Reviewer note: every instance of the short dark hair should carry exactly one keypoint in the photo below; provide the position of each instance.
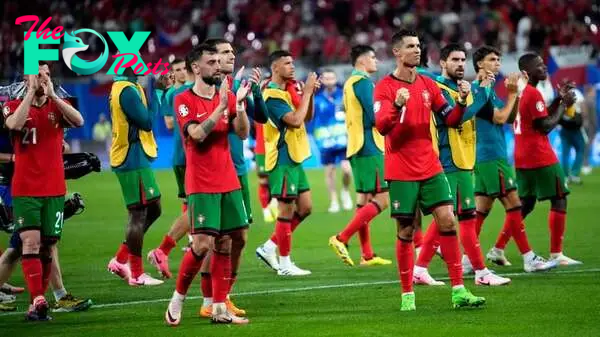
(327, 70)
(482, 52)
(526, 59)
(196, 53)
(449, 48)
(358, 51)
(177, 60)
(402, 34)
(276, 55)
(214, 42)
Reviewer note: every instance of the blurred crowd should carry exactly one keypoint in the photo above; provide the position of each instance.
(316, 31)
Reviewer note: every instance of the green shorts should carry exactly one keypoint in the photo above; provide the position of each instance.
(288, 181)
(246, 196)
(260, 165)
(461, 186)
(368, 174)
(495, 178)
(139, 187)
(406, 196)
(543, 183)
(43, 213)
(217, 213)
(180, 179)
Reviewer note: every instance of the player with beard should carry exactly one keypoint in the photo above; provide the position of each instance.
(539, 175)
(256, 111)
(37, 121)
(215, 202)
(404, 104)
(287, 147)
(456, 147)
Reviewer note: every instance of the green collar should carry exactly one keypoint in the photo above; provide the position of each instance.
(447, 82)
(359, 73)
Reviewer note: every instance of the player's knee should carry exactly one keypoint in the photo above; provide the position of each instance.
(201, 245)
(527, 205)
(559, 204)
(405, 228)
(30, 242)
(446, 222)
(154, 211)
(239, 239)
(10, 256)
(382, 201)
(304, 209)
(223, 244)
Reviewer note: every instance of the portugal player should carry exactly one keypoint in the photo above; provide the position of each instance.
(38, 120)
(539, 175)
(215, 202)
(404, 103)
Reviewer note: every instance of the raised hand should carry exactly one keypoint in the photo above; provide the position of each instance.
(256, 76)
(464, 88)
(512, 82)
(243, 91)
(48, 86)
(402, 96)
(311, 82)
(224, 95)
(33, 83)
(488, 78)
(318, 84)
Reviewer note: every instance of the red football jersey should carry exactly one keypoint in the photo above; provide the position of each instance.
(209, 167)
(39, 168)
(409, 154)
(532, 148)
(260, 139)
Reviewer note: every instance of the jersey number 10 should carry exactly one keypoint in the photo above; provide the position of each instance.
(30, 136)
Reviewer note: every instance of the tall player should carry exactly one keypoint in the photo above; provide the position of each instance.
(456, 147)
(404, 102)
(216, 208)
(365, 151)
(287, 147)
(539, 175)
(38, 120)
(256, 110)
(494, 177)
(133, 149)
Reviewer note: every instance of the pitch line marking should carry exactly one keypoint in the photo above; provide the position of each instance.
(321, 287)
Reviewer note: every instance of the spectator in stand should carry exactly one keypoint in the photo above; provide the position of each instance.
(102, 132)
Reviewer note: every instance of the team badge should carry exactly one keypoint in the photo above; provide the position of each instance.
(52, 117)
(396, 204)
(539, 106)
(151, 190)
(201, 219)
(293, 187)
(376, 106)
(21, 221)
(510, 181)
(183, 110)
(6, 111)
(468, 201)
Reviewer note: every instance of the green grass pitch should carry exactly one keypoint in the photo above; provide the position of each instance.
(336, 300)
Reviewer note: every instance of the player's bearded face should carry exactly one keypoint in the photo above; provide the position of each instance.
(209, 69)
(455, 65)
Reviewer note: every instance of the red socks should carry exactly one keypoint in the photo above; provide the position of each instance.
(517, 229)
(167, 245)
(184, 207)
(430, 243)
(32, 270)
(363, 216)
(137, 265)
(264, 195)
(294, 223)
(504, 235)
(418, 238)
(364, 236)
(479, 219)
(406, 263)
(220, 270)
(470, 243)
(206, 285)
(556, 222)
(283, 233)
(122, 254)
(190, 266)
(452, 257)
